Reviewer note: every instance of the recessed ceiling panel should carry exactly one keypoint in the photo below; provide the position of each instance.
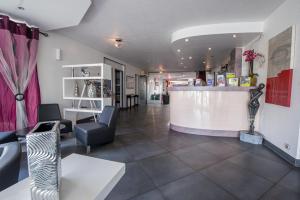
(47, 14)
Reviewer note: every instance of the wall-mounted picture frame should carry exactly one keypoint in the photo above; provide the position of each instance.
(280, 68)
(130, 82)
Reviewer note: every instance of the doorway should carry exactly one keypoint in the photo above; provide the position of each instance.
(119, 88)
(142, 90)
(118, 82)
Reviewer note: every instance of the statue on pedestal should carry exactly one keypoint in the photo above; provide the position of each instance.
(252, 136)
(253, 105)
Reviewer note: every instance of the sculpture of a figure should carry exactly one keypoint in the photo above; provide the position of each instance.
(253, 105)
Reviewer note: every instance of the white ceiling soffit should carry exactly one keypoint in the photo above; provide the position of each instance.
(208, 46)
(47, 14)
(215, 29)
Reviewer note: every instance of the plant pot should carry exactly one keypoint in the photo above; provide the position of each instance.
(253, 80)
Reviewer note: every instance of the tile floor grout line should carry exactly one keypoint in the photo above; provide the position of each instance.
(274, 185)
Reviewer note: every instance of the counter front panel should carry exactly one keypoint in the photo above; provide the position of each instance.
(209, 111)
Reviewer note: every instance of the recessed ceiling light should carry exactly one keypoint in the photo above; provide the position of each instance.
(203, 62)
(21, 8)
(186, 39)
(190, 57)
(209, 49)
(178, 50)
(118, 42)
(182, 58)
(185, 67)
(234, 36)
(181, 63)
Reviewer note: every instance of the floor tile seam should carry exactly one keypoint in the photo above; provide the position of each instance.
(278, 182)
(231, 145)
(274, 185)
(252, 171)
(267, 158)
(136, 160)
(156, 188)
(188, 174)
(220, 186)
(230, 156)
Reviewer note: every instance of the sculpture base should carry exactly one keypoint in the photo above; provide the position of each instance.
(256, 138)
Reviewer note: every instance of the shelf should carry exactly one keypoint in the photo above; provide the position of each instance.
(84, 78)
(83, 65)
(84, 98)
(84, 110)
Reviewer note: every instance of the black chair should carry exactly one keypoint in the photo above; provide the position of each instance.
(100, 132)
(6, 137)
(10, 157)
(51, 112)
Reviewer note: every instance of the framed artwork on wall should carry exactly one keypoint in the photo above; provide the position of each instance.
(130, 82)
(280, 68)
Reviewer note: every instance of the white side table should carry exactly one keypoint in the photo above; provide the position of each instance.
(83, 177)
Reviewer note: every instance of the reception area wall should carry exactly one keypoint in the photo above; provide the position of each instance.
(280, 125)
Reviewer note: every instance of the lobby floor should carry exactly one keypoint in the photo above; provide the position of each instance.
(163, 164)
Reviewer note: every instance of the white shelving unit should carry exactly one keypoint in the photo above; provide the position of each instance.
(99, 72)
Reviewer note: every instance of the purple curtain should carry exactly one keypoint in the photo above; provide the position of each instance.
(19, 87)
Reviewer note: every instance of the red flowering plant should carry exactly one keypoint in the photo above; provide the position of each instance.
(251, 55)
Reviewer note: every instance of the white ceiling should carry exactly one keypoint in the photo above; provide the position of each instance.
(47, 14)
(147, 26)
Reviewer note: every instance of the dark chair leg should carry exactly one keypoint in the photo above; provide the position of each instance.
(88, 149)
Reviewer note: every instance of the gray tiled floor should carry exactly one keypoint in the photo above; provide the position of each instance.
(163, 164)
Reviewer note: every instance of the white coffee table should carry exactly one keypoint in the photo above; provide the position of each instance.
(83, 177)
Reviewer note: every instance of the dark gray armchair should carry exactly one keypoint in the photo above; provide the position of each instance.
(10, 157)
(51, 112)
(100, 132)
(6, 137)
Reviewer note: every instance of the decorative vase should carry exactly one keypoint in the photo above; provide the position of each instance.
(91, 90)
(44, 160)
(251, 68)
(252, 75)
(76, 90)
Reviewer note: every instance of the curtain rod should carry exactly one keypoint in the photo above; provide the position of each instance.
(44, 34)
(21, 21)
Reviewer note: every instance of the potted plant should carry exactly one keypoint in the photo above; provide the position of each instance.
(251, 55)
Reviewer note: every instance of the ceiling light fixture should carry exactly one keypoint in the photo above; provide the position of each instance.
(186, 39)
(234, 36)
(118, 42)
(185, 67)
(209, 49)
(182, 58)
(203, 62)
(190, 57)
(20, 5)
(181, 63)
(178, 50)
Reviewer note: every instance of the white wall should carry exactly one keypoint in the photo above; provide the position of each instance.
(279, 124)
(50, 70)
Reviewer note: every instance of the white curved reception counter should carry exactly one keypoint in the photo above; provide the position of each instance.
(213, 111)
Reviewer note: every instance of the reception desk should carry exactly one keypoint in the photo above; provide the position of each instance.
(213, 111)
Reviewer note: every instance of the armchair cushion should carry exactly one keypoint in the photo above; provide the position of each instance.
(6, 137)
(51, 112)
(89, 133)
(67, 126)
(9, 164)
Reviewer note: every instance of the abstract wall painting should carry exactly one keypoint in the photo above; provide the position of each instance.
(280, 68)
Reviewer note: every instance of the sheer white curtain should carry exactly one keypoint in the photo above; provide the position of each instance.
(18, 55)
